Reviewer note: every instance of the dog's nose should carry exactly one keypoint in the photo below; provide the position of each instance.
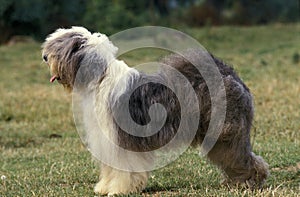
(45, 58)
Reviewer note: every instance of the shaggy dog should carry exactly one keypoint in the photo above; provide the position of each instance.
(67, 51)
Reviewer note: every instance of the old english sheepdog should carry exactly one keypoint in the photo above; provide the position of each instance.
(111, 81)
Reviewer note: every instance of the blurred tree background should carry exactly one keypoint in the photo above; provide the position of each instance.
(37, 18)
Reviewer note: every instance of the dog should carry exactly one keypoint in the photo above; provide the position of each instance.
(110, 81)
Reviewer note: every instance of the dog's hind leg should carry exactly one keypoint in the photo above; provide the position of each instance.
(238, 163)
(233, 152)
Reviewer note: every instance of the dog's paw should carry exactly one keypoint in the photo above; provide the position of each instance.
(101, 188)
(123, 189)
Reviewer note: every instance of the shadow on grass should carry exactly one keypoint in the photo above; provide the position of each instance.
(21, 143)
(157, 188)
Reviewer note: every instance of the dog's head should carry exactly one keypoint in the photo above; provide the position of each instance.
(67, 50)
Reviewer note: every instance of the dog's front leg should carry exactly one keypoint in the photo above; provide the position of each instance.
(102, 186)
(114, 181)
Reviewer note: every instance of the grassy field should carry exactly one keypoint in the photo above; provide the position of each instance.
(42, 155)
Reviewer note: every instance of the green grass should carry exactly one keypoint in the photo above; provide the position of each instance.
(36, 163)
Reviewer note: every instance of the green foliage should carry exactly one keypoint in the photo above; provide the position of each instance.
(4, 4)
(110, 16)
(258, 12)
(245, 12)
(39, 17)
(27, 11)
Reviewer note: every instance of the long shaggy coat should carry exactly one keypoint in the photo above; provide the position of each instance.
(81, 60)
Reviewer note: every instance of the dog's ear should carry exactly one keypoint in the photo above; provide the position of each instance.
(72, 55)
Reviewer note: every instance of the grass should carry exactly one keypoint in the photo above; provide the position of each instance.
(42, 155)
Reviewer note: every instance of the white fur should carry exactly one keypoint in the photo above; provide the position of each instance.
(101, 130)
(58, 33)
(113, 181)
(117, 74)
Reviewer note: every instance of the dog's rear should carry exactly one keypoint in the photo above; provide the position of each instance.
(232, 152)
